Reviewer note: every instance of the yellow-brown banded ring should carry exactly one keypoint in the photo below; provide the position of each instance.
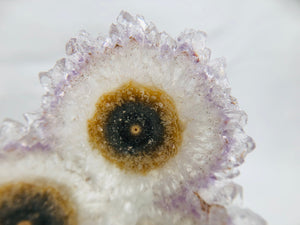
(136, 127)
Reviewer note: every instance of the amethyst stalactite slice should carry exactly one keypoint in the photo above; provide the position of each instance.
(147, 122)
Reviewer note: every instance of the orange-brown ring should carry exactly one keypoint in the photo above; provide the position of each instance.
(161, 102)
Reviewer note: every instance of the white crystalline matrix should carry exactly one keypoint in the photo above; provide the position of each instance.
(139, 127)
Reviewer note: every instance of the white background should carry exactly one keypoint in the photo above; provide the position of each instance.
(260, 40)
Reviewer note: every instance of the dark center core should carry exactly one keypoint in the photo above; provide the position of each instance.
(134, 127)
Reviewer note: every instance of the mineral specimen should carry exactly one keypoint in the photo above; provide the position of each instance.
(140, 127)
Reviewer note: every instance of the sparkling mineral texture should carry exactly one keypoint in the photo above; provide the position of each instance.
(136, 128)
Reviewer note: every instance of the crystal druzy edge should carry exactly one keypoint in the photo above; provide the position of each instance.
(215, 194)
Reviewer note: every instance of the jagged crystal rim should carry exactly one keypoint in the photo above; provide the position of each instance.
(79, 51)
(31, 136)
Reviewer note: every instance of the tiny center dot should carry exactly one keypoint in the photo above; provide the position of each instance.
(24, 222)
(135, 130)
